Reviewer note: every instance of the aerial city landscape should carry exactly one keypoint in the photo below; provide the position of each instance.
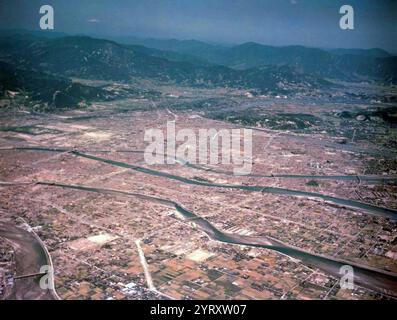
(82, 209)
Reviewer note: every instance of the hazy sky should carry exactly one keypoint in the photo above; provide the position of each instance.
(276, 22)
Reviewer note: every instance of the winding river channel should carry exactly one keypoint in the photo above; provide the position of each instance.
(372, 209)
(376, 279)
(372, 278)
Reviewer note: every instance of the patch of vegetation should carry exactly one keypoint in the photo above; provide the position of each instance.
(312, 183)
(213, 274)
(279, 121)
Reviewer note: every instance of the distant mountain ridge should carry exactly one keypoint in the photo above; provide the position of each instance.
(40, 67)
(250, 66)
(344, 64)
(86, 57)
(374, 52)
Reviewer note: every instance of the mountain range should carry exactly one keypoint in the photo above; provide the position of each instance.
(86, 57)
(344, 64)
(251, 66)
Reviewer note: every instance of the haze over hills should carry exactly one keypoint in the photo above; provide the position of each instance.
(251, 66)
(347, 64)
(374, 52)
(86, 57)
